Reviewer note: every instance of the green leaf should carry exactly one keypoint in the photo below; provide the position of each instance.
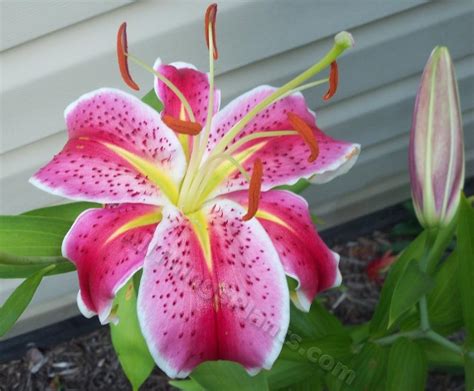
(407, 367)
(67, 212)
(369, 366)
(317, 323)
(312, 383)
(412, 284)
(407, 228)
(465, 253)
(32, 235)
(297, 188)
(19, 300)
(440, 357)
(14, 266)
(359, 332)
(285, 373)
(469, 366)
(127, 339)
(186, 385)
(379, 322)
(152, 100)
(28, 243)
(444, 306)
(337, 346)
(227, 375)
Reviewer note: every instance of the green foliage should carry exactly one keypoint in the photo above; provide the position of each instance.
(32, 235)
(23, 267)
(317, 323)
(33, 240)
(407, 366)
(410, 287)
(297, 188)
(222, 375)
(469, 366)
(152, 100)
(19, 299)
(369, 365)
(440, 357)
(465, 278)
(285, 373)
(465, 254)
(444, 305)
(127, 339)
(69, 211)
(380, 321)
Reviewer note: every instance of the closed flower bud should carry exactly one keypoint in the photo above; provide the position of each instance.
(436, 143)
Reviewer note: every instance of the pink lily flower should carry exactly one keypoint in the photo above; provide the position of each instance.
(215, 242)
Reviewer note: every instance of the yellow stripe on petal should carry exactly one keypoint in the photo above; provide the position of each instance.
(199, 223)
(147, 219)
(152, 172)
(274, 219)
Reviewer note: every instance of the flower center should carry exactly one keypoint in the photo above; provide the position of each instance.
(200, 177)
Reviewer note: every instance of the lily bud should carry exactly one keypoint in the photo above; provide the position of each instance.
(436, 143)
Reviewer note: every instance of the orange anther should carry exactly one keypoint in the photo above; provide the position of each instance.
(333, 81)
(306, 134)
(254, 189)
(122, 56)
(183, 127)
(210, 20)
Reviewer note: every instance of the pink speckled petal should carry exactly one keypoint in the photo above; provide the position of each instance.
(226, 299)
(305, 257)
(89, 170)
(193, 84)
(107, 246)
(116, 144)
(285, 159)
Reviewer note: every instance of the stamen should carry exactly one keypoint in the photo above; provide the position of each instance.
(254, 190)
(333, 81)
(210, 24)
(122, 57)
(307, 134)
(182, 127)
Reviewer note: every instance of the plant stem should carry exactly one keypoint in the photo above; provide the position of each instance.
(424, 261)
(392, 338)
(434, 336)
(424, 319)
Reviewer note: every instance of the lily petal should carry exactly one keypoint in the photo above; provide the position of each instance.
(194, 85)
(108, 246)
(119, 150)
(285, 157)
(212, 285)
(305, 257)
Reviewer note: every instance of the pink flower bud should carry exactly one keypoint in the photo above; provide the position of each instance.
(436, 143)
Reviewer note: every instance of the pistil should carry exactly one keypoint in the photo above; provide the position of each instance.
(200, 147)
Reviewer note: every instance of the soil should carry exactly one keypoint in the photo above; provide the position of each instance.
(89, 363)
